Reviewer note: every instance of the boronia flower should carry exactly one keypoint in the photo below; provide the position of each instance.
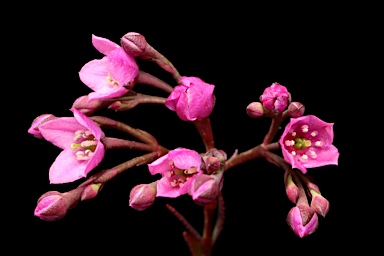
(192, 99)
(178, 168)
(302, 220)
(79, 137)
(307, 142)
(108, 76)
(275, 98)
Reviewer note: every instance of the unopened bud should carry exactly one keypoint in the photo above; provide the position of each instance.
(275, 98)
(302, 220)
(291, 189)
(133, 43)
(34, 129)
(88, 108)
(205, 188)
(295, 109)
(91, 191)
(51, 206)
(142, 196)
(255, 110)
(319, 203)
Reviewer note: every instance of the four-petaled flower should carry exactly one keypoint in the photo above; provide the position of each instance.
(275, 98)
(307, 143)
(192, 99)
(178, 168)
(108, 76)
(79, 137)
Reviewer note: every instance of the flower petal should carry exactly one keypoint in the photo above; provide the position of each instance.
(185, 158)
(122, 66)
(60, 131)
(94, 74)
(103, 45)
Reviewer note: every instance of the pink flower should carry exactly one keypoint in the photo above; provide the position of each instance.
(307, 143)
(178, 168)
(108, 76)
(192, 99)
(34, 129)
(51, 206)
(79, 137)
(302, 220)
(275, 98)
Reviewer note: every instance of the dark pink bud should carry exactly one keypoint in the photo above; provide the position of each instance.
(319, 203)
(142, 196)
(295, 109)
(34, 129)
(91, 191)
(51, 206)
(276, 98)
(291, 189)
(213, 160)
(255, 110)
(88, 108)
(302, 220)
(204, 189)
(133, 43)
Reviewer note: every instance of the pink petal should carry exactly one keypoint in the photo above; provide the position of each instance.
(160, 165)
(60, 132)
(185, 158)
(94, 74)
(103, 45)
(66, 168)
(88, 123)
(122, 66)
(164, 189)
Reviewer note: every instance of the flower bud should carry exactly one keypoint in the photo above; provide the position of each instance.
(88, 108)
(295, 109)
(291, 189)
(276, 98)
(255, 110)
(302, 220)
(142, 196)
(213, 160)
(205, 188)
(319, 203)
(91, 191)
(34, 129)
(51, 206)
(133, 43)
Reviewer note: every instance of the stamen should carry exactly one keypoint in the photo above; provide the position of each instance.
(307, 143)
(304, 128)
(190, 171)
(88, 143)
(170, 174)
(293, 153)
(314, 133)
(319, 143)
(293, 134)
(312, 154)
(289, 143)
(305, 157)
(174, 183)
(75, 145)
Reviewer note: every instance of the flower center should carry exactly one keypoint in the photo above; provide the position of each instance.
(303, 143)
(112, 81)
(178, 177)
(85, 146)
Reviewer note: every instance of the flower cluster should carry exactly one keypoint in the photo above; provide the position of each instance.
(306, 142)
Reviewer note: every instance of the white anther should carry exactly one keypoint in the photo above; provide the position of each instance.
(88, 143)
(174, 183)
(318, 143)
(289, 143)
(312, 154)
(293, 134)
(314, 133)
(305, 157)
(293, 153)
(304, 128)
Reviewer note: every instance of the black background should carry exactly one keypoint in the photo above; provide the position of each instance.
(318, 55)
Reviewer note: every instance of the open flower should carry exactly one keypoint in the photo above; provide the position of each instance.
(79, 137)
(108, 76)
(178, 168)
(275, 98)
(307, 143)
(192, 99)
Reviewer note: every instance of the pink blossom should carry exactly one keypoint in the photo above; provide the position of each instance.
(178, 168)
(142, 196)
(108, 76)
(34, 129)
(275, 98)
(192, 99)
(302, 220)
(307, 143)
(79, 137)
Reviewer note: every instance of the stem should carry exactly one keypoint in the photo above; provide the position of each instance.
(275, 126)
(186, 224)
(203, 126)
(112, 143)
(220, 218)
(146, 78)
(142, 98)
(208, 225)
